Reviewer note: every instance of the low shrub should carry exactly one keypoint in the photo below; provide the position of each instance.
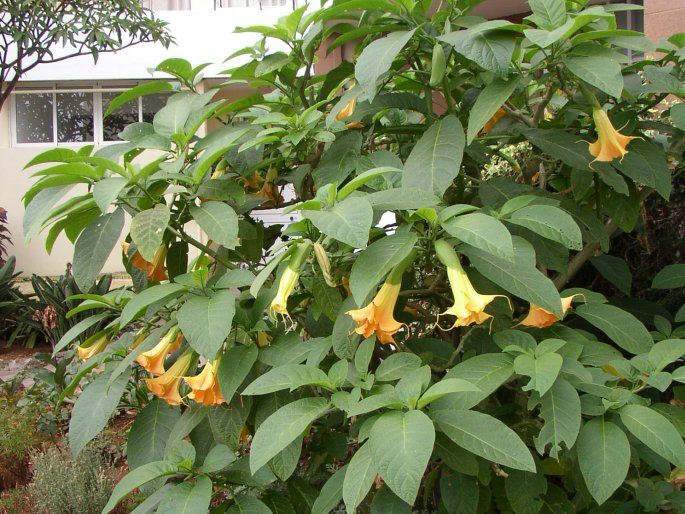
(19, 437)
(62, 485)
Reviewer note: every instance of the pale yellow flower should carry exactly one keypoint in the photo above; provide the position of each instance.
(166, 386)
(541, 318)
(153, 360)
(98, 346)
(377, 316)
(610, 143)
(205, 386)
(156, 270)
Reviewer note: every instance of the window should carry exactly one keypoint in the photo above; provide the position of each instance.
(69, 116)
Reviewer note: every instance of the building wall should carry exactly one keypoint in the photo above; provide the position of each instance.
(664, 18)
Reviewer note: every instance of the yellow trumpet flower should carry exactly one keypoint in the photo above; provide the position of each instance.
(610, 143)
(377, 316)
(205, 386)
(469, 305)
(289, 278)
(347, 110)
(501, 113)
(541, 318)
(153, 360)
(156, 270)
(98, 346)
(166, 386)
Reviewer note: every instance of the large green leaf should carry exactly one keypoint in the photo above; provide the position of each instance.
(147, 230)
(670, 277)
(246, 504)
(603, 456)
(206, 321)
(150, 432)
(519, 277)
(543, 370)
(443, 388)
(602, 72)
(290, 376)
(620, 326)
(401, 198)
(487, 372)
(156, 294)
(236, 363)
(459, 493)
(387, 502)
(171, 118)
(93, 409)
(94, 246)
(561, 411)
(615, 270)
(549, 222)
(434, 162)
(138, 477)
(219, 221)
(489, 101)
(106, 191)
(485, 436)
(524, 491)
(655, 431)
(376, 59)
(188, 498)
(359, 477)
(282, 427)
(548, 14)
(492, 50)
(348, 221)
(401, 445)
(331, 493)
(38, 210)
(372, 264)
(646, 164)
(483, 232)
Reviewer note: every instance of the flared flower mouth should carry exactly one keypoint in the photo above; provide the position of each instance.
(155, 270)
(377, 316)
(205, 386)
(98, 346)
(610, 143)
(469, 305)
(167, 385)
(542, 318)
(153, 360)
(279, 304)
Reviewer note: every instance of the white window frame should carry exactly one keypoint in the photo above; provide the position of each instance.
(96, 91)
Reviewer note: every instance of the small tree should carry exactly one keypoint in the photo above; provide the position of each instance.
(31, 30)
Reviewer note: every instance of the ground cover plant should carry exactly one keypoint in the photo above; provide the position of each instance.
(420, 338)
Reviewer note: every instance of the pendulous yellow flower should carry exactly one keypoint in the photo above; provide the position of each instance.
(610, 143)
(153, 360)
(501, 113)
(347, 110)
(156, 270)
(377, 316)
(469, 305)
(86, 351)
(541, 318)
(205, 386)
(289, 278)
(166, 386)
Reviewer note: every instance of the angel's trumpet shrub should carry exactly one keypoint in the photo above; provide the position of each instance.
(289, 278)
(205, 386)
(377, 316)
(610, 142)
(153, 360)
(167, 385)
(469, 305)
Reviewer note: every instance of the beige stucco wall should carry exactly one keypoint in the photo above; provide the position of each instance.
(664, 18)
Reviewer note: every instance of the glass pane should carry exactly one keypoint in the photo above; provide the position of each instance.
(124, 115)
(152, 104)
(34, 117)
(75, 117)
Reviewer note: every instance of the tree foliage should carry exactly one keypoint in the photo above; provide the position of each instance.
(33, 32)
(447, 360)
